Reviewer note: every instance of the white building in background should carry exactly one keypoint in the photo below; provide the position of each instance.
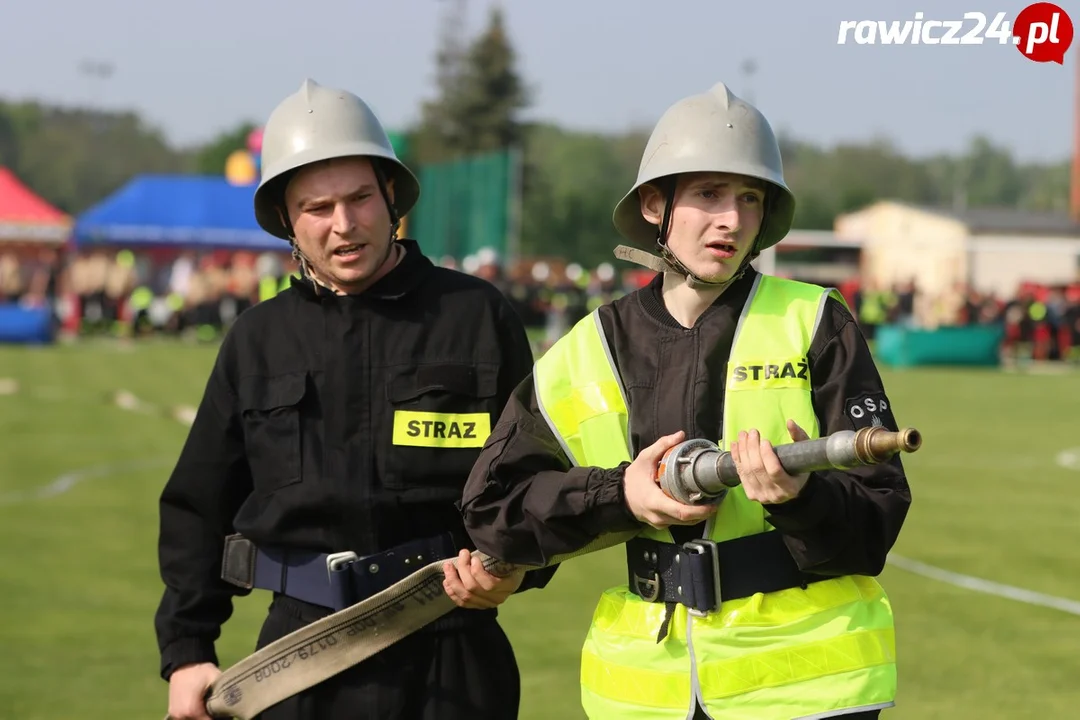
(816, 256)
(989, 250)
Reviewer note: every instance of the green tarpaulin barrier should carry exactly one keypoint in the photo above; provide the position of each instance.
(975, 345)
(465, 205)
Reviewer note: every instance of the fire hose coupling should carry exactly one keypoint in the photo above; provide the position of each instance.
(697, 472)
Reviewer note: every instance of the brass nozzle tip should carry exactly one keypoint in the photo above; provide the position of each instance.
(910, 440)
(876, 444)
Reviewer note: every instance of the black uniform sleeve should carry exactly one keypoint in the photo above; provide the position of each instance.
(524, 503)
(517, 355)
(207, 486)
(509, 512)
(845, 523)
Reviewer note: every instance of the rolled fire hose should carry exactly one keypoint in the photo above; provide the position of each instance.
(693, 472)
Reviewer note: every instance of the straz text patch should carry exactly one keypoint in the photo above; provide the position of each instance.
(441, 430)
(769, 374)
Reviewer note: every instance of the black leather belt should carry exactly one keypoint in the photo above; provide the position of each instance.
(331, 580)
(701, 574)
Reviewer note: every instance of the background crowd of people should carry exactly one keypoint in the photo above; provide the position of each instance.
(135, 293)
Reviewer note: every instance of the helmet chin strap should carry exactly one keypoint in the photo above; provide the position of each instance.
(666, 262)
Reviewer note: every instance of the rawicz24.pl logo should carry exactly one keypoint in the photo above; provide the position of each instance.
(1042, 32)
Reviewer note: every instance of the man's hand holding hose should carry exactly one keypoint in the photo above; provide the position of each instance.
(472, 587)
(647, 501)
(187, 691)
(760, 472)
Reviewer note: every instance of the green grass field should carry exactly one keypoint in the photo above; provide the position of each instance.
(78, 522)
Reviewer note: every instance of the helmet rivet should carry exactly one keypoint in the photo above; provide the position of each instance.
(730, 125)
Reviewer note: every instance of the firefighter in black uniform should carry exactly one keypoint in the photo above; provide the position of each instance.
(793, 557)
(343, 415)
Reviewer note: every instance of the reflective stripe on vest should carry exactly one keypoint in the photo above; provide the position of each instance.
(788, 654)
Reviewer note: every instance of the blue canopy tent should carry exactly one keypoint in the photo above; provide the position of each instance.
(182, 211)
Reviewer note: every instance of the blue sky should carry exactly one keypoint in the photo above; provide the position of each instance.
(197, 67)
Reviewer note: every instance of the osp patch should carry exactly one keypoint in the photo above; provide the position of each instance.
(870, 410)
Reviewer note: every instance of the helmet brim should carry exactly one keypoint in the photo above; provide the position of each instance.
(269, 195)
(641, 233)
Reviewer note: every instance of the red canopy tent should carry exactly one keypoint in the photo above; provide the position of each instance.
(25, 218)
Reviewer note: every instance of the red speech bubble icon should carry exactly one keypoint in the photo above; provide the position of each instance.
(1043, 32)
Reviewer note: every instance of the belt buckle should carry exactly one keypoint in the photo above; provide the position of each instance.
(702, 547)
(648, 588)
(337, 561)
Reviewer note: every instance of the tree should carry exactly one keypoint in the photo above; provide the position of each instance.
(990, 176)
(210, 158)
(1047, 187)
(492, 93)
(9, 140)
(439, 129)
(480, 97)
(75, 158)
(575, 181)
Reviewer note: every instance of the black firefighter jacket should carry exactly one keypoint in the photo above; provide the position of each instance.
(294, 441)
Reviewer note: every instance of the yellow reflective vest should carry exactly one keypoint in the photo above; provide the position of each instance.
(795, 653)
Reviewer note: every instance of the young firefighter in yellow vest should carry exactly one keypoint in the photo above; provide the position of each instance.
(777, 615)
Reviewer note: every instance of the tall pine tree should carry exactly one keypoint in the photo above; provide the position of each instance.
(480, 95)
(437, 133)
(492, 93)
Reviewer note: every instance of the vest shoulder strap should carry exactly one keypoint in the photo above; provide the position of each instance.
(781, 311)
(582, 398)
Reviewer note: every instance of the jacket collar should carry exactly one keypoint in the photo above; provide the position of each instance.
(399, 282)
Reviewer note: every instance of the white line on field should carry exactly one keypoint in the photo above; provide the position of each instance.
(985, 586)
(127, 401)
(1069, 459)
(183, 414)
(65, 482)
